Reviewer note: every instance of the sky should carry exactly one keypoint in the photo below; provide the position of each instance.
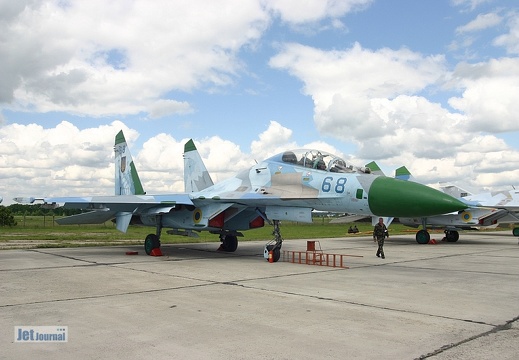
(429, 84)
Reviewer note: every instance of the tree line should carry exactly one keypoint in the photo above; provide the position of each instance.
(40, 210)
(7, 213)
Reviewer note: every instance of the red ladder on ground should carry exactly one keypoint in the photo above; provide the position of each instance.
(315, 257)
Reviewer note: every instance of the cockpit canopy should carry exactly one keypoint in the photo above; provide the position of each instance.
(320, 160)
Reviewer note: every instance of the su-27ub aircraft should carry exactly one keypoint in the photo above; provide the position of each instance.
(286, 186)
(485, 209)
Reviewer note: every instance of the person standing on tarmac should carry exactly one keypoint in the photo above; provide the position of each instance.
(379, 233)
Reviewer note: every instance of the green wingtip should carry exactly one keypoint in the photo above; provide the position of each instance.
(189, 146)
(119, 138)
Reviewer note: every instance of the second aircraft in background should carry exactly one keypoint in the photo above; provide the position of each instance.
(485, 209)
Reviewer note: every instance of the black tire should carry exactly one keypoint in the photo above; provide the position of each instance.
(515, 231)
(423, 237)
(151, 242)
(230, 243)
(276, 255)
(452, 235)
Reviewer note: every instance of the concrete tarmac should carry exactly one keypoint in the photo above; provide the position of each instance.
(444, 301)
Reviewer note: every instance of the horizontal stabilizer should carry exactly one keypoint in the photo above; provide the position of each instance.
(493, 217)
(387, 220)
(347, 219)
(92, 217)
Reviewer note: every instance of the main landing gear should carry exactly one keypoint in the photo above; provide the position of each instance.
(152, 241)
(274, 245)
(229, 243)
(451, 235)
(423, 236)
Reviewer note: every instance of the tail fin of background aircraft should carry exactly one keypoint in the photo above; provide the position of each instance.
(127, 180)
(375, 169)
(454, 190)
(196, 176)
(403, 173)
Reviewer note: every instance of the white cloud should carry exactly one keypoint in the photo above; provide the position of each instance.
(489, 95)
(481, 22)
(293, 11)
(345, 84)
(162, 108)
(511, 40)
(275, 139)
(58, 161)
(101, 58)
(471, 4)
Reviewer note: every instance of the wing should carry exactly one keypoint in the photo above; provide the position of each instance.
(119, 207)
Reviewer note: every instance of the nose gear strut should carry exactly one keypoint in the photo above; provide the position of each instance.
(275, 244)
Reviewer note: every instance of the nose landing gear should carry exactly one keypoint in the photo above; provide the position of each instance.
(274, 245)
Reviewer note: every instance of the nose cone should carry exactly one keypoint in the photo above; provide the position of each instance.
(398, 198)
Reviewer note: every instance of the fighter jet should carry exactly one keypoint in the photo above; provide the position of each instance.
(485, 209)
(504, 204)
(286, 186)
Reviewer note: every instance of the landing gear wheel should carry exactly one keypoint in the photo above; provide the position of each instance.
(276, 252)
(229, 243)
(152, 242)
(452, 235)
(515, 231)
(423, 237)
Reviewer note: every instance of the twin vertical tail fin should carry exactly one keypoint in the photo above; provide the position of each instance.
(375, 169)
(196, 176)
(403, 173)
(127, 180)
(454, 190)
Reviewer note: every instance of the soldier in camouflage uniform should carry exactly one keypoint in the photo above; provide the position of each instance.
(379, 233)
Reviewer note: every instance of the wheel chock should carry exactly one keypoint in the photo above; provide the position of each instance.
(271, 256)
(156, 252)
(432, 242)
